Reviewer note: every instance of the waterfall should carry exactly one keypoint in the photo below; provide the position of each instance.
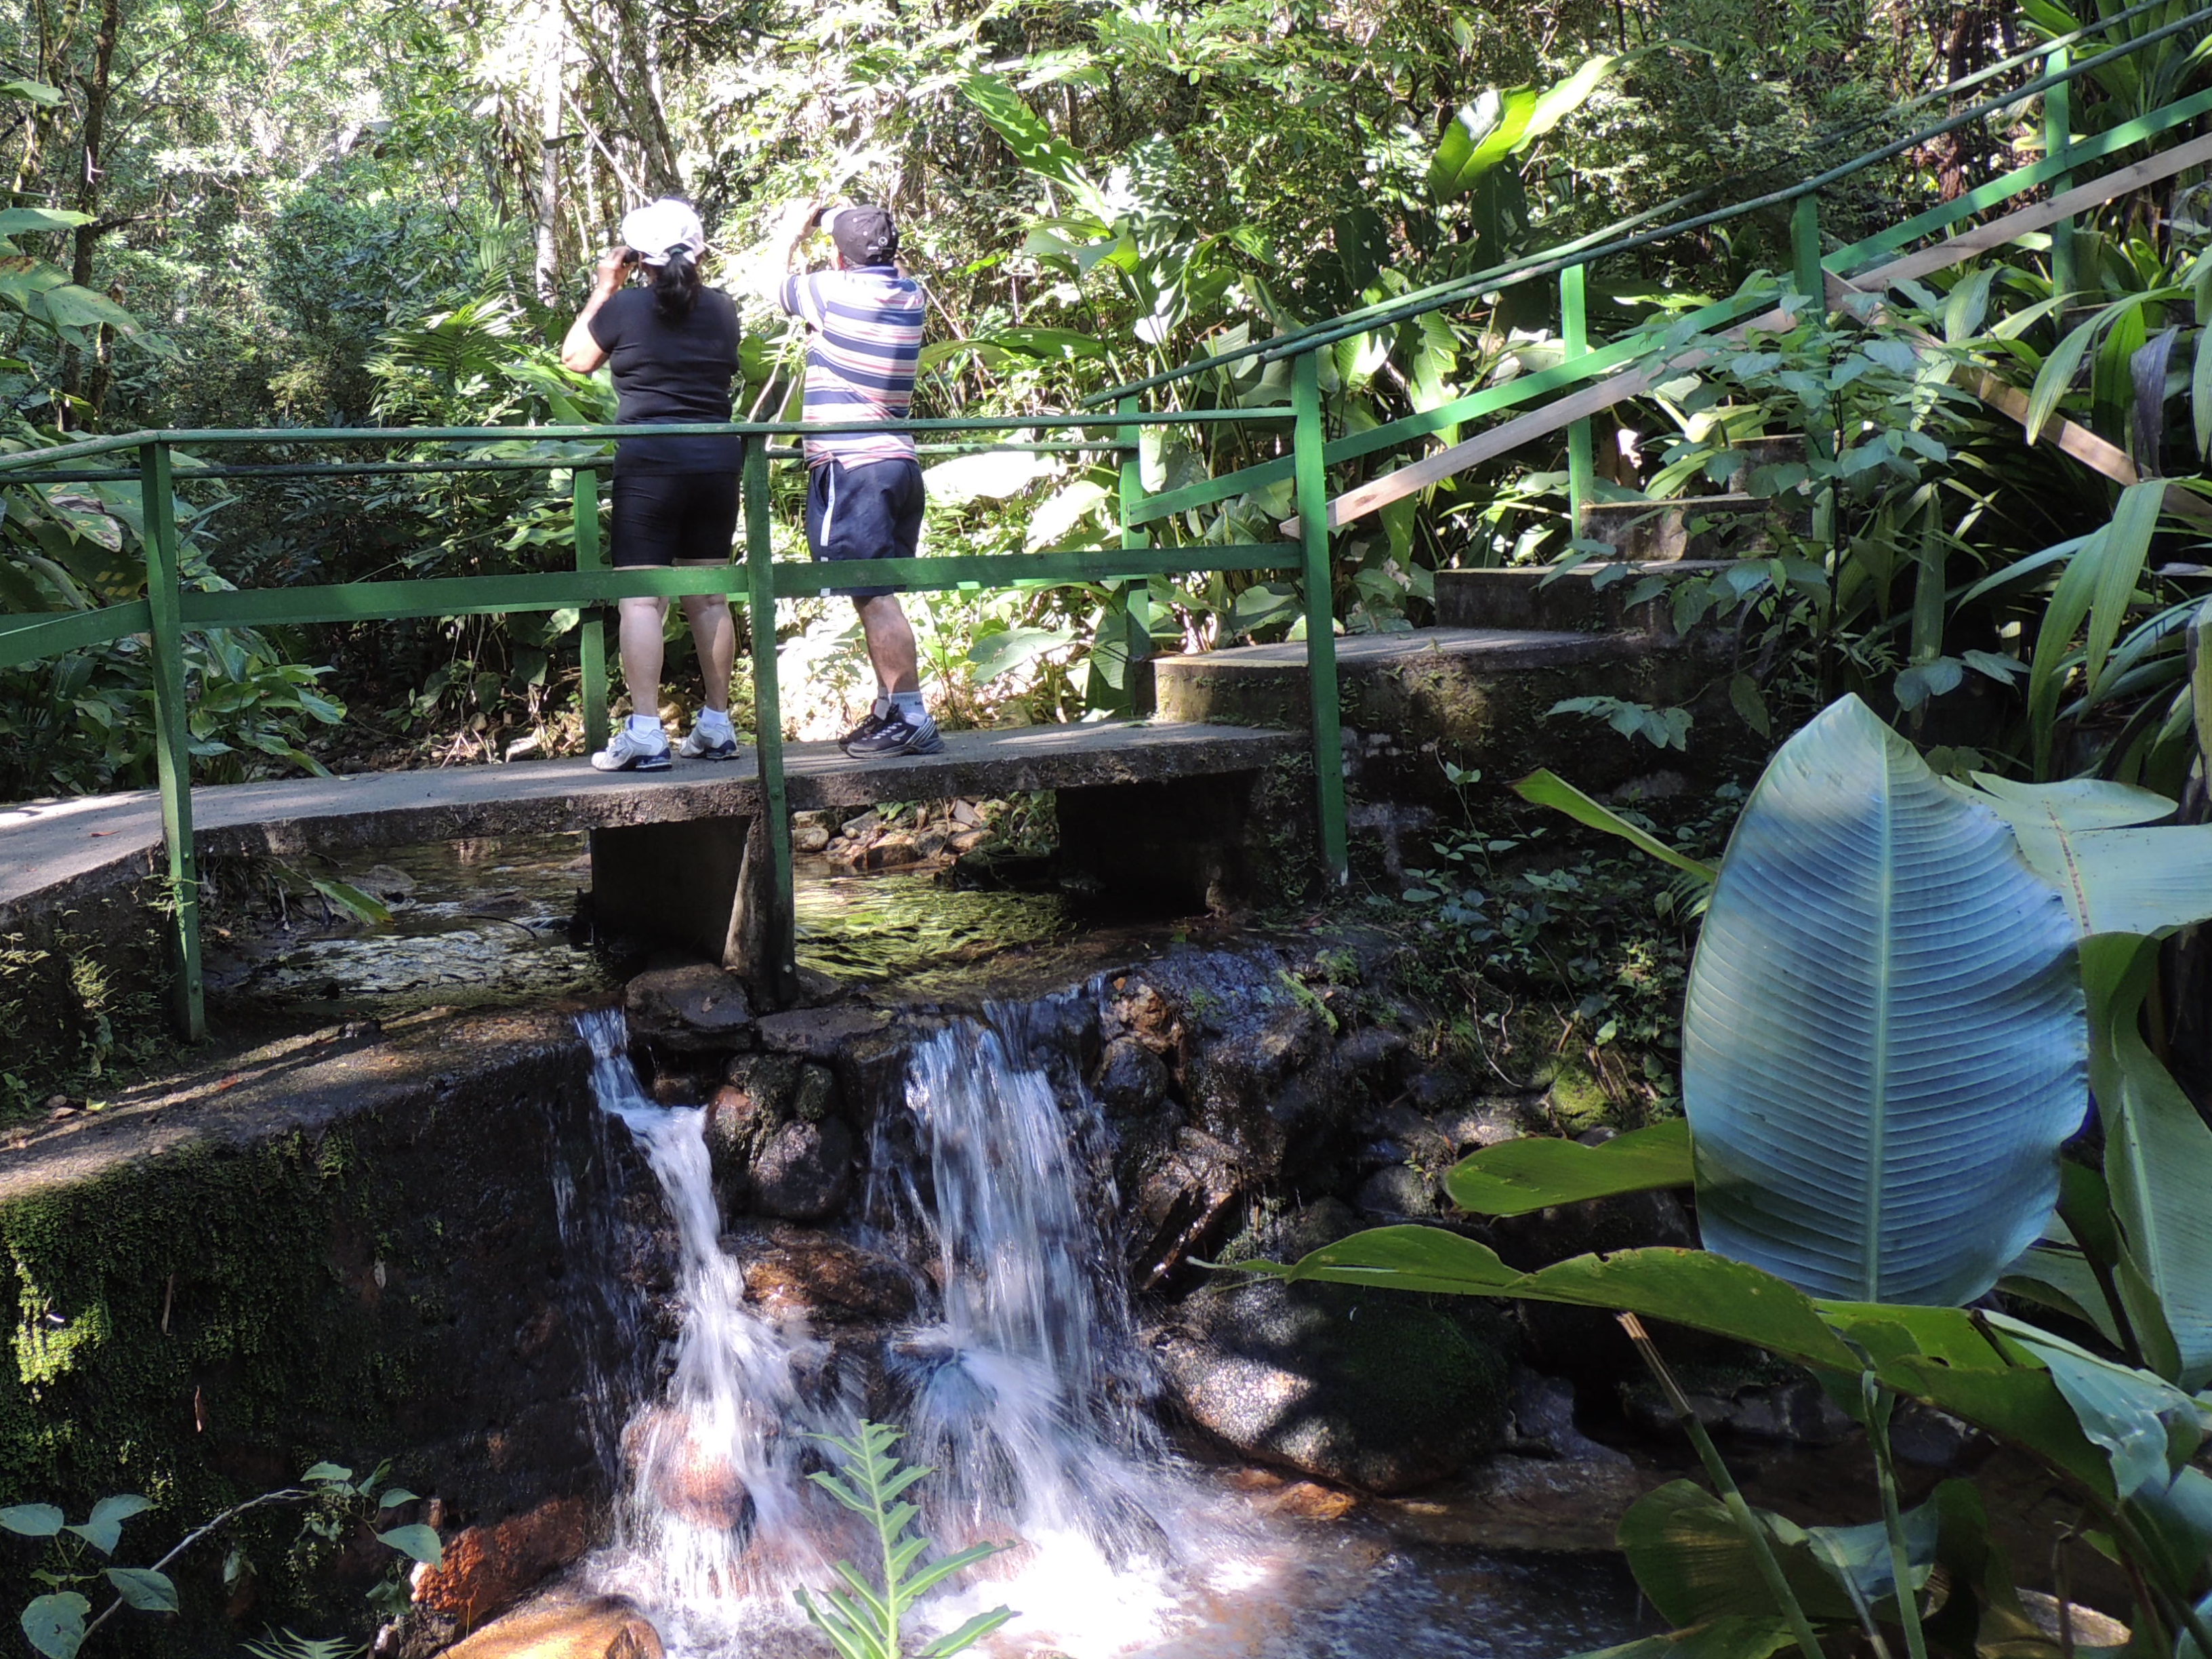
(1019, 1382)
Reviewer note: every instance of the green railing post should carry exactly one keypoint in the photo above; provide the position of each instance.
(780, 934)
(173, 754)
(1137, 595)
(1574, 336)
(1805, 270)
(591, 639)
(2057, 140)
(1307, 441)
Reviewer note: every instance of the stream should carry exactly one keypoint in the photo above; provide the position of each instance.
(1019, 1382)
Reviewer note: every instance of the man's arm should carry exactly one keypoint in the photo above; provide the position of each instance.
(579, 352)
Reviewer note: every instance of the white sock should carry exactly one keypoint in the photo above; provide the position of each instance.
(647, 728)
(882, 705)
(715, 719)
(908, 705)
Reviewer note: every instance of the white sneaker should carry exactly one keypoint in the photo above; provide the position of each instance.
(626, 752)
(703, 744)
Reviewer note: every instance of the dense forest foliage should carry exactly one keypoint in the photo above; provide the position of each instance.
(310, 214)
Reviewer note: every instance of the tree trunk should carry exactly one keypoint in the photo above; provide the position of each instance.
(553, 49)
(87, 198)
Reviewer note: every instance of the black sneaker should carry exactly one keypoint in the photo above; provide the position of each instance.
(893, 734)
(870, 725)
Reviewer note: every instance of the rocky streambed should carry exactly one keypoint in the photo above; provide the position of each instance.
(426, 1240)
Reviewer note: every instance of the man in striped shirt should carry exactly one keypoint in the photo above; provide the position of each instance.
(863, 492)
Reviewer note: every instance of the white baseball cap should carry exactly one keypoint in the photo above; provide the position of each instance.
(660, 230)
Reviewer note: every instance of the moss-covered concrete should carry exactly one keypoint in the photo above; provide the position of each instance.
(349, 1249)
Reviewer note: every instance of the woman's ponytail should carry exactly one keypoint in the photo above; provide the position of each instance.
(674, 288)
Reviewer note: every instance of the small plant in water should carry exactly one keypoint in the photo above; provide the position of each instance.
(865, 1624)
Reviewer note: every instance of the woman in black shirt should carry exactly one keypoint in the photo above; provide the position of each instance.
(674, 349)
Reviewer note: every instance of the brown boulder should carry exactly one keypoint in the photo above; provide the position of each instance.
(603, 1627)
(688, 1475)
(487, 1569)
(696, 1006)
(795, 1271)
(803, 1171)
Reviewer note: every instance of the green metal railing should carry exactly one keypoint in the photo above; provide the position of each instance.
(756, 581)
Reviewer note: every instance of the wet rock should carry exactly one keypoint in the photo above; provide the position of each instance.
(892, 851)
(793, 1270)
(1542, 1422)
(1397, 1192)
(1139, 1010)
(1362, 1389)
(1131, 1080)
(1374, 1055)
(696, 1007)
(810, 838)
(487, 1569)
(603, 1627)
(818, 1033)
(1796, 1411)
(803, 1171)
(1488, 1122)
(385, 882)
(1935, 1440)
(686, 1464)
(1510, 1502)
(1182, 1205)
(1632, 1221)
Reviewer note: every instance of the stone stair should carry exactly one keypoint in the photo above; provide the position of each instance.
(1474, 689)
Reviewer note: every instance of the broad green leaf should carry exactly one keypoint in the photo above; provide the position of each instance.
(15, 221)
(1883, 1042)
(1480, 136)
(33, 1520)
(2056, 377)
(103, 1528)
(988, 475)
(1557, 103)
(1546, 788)
(68, 305)
(144, 1589)
(1061, 344)
(1690, 1287)
(1734, 1637)
(1061, 512)
(54, 1623)
(1040, 149)
(2158, 1159)
(1002, 653)
(2200, 393)
(2098, 582)
(2124, 1410)
(33, 92)
(322, 1473)
(2064, 1280)
(1538, 1171)
(2079, 836)
(394, 1497)
(1693, 1563)
(419, 1542)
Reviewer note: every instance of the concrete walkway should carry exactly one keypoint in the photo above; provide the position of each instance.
(76, 845)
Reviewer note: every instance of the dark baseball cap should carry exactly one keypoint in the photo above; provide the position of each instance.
(865, 235)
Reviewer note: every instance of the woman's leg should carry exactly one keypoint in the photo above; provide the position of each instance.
(715, 635)
(643, 623)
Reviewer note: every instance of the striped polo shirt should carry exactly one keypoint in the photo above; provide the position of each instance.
(865, 323)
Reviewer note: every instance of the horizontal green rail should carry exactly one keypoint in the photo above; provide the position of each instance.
(1588, 250)
(26, 639)
(1531, 388)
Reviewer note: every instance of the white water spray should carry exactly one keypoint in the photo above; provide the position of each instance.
(1022, 1388)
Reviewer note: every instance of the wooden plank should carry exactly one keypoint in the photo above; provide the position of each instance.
(2197, 152)
(1379, 493)
(2068, 437)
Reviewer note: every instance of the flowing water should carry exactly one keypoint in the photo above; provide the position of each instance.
(1021, 1383)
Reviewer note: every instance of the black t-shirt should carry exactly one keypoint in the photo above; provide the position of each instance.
(672, 372)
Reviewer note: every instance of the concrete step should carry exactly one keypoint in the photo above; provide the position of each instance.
(1476, 696)
(1588, 599)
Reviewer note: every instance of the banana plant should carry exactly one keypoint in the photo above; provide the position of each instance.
(1906, 992)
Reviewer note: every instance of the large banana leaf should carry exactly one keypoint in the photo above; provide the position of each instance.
(1884, 1043)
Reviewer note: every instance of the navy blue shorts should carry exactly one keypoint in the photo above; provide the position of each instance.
(871, 510)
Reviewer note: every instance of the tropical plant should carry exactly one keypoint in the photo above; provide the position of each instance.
(1886, 1034)
(866, 1622)
(55, 1623)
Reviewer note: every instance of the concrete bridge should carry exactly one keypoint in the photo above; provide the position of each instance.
(680, 857)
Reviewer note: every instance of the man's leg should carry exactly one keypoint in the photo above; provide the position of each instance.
(892, 650)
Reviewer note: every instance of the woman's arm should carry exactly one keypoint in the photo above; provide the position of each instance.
(580, 353)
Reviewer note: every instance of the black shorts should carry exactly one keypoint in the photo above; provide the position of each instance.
(665, 518)
(871, 510)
